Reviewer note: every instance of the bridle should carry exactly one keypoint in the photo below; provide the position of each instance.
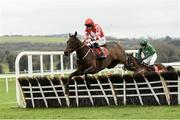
(129, 63)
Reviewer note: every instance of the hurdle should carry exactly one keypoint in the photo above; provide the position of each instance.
(49, 92)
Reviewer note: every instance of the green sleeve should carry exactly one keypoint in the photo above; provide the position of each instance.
(151, 51)
(138, 55)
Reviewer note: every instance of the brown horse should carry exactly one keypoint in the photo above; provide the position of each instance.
(134, 65)
(87, 62)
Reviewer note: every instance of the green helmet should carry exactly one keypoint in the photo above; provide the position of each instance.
(143, 41)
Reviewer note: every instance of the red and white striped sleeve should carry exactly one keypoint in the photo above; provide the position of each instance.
(86, 35)
(99, 32)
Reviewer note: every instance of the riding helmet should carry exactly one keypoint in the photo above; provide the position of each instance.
(143, 41)
(89, 22)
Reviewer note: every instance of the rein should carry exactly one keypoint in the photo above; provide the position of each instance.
(80, 47)
(86, 53)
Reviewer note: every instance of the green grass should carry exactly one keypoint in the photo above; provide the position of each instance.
(5, 67)
(9, 110)
(32, 39)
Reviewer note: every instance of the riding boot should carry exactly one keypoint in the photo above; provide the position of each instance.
(152, 67)
(101, 55)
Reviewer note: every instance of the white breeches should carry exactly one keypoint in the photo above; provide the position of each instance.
(101, 41)
(151, 59)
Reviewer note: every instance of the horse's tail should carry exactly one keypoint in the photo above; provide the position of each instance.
(170, 68)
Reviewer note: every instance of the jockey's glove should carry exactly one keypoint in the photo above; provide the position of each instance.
(96, 45)
(92, 39)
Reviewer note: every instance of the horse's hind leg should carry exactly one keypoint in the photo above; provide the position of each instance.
(170, 68)
(113, 64)
(76, 73)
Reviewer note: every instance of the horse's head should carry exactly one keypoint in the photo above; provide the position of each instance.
(131, 61)
(73, 44)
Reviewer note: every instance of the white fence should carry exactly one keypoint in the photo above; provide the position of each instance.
(7, 78)
(30, 72)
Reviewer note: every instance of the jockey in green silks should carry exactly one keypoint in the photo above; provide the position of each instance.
(149, 52)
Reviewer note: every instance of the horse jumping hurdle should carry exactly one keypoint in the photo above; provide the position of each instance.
(119, 89)
(150, 89)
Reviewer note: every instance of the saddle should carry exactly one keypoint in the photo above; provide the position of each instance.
(158, 69)
(99, 51)
(154, 68)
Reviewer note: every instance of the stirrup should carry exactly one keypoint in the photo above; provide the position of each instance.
(152, 67)
(101, 57)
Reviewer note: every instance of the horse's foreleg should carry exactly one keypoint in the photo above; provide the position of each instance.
(87, 82)
(85, 76)
(88, 70)
(75, 73)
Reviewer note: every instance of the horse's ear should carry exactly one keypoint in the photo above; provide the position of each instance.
(75, 34)
(70, 35)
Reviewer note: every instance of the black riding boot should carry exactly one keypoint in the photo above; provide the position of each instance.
(152, 67)
(102, 56)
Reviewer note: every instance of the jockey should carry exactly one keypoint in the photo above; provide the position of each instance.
(149, 52)
(94, 36)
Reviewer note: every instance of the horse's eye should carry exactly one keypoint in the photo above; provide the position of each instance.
(68, 43)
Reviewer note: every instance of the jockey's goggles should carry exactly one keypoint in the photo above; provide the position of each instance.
(143, 44)
(87, 25)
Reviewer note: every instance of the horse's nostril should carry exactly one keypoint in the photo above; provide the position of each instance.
(66, 53)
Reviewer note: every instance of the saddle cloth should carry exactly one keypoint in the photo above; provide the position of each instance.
(97, 51)
(157, 69)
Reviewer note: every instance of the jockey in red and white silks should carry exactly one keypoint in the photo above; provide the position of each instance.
(94, 35)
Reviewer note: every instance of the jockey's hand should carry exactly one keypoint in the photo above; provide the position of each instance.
(96, 45)
(90, 45)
